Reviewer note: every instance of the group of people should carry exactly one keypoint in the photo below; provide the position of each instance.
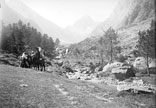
(34, 60)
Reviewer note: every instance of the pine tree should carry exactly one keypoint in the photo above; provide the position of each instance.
(19, 37)
(57, 42)
(102, 49)
(108, 44)
(146, 43)
(111, 37)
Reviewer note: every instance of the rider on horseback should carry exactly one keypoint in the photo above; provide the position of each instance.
(24, 60)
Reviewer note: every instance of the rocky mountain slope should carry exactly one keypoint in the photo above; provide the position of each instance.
(12, 11)
(129, 17)
(10, 16)
(83, 27)
(128, 13)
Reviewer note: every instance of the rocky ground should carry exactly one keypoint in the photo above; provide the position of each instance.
(27, 88)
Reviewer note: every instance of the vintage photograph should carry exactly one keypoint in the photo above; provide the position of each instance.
(77, 54)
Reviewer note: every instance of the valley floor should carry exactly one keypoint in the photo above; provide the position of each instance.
(27, 88)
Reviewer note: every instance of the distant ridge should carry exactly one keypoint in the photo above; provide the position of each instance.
(13, 10)
(129, 17)
(83, 27)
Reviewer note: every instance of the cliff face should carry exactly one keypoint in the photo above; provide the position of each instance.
(127, 13)
(128, 18)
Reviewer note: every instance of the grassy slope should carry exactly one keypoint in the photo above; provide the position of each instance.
(47, 90)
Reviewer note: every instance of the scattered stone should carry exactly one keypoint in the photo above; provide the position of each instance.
(136, 85)
(23, 85)
(101, 98)
(74, 102)
(61, 90)
(64, 92)
(71, 97)
(139, 104)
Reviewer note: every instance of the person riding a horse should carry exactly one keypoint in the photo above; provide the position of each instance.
(42, 58)
(24, 60)
(38, 53)
(35, 59)
(38, 59)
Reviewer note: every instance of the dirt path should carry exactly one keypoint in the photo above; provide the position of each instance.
(27, 88)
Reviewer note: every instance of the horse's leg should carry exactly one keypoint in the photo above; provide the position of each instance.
(29, 64)
(38, 66)
(34, 65)
(44, 65)
(21, 64)
(24, 63)
(41, 66)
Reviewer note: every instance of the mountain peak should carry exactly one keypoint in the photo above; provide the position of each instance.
(83, 27)
(83, 20)
(86, 17)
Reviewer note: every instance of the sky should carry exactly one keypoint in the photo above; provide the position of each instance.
(66, 12)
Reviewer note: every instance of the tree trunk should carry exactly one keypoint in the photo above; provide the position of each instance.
(147, 63)
(111, 51)
(147, 55)
(102, 59)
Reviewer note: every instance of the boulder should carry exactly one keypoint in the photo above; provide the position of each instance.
(122, 73)
(140, 64)
(116, 64)
(139, 74)
(109, 67)
(106, 67)
(152, 70)
(152, 64)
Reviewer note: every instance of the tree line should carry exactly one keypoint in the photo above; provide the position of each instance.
(109, 47)
(19, 37)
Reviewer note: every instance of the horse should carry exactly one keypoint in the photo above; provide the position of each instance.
(42, 64)
(29, 61)
(38, 60)
(35, 61)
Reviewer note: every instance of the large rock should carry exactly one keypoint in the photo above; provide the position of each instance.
(124, 72)
(152, 63)
(152, 70)
(140, 64)
(109, 67)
